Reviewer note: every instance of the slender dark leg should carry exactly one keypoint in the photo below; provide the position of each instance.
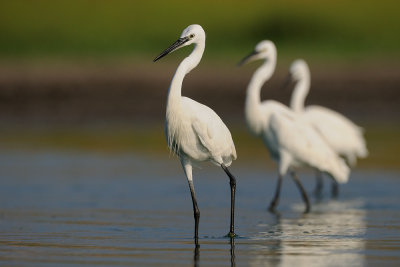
(196, 256)
(232, 182)
(196, 213)
(275, 200)
(319, 185)
(302, 191)
(335, 189)
(233, 252)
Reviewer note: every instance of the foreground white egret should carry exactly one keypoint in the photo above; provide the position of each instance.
(291, 142)
(341, 134)
(194, 132)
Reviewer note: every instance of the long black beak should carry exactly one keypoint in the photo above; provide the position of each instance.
(173, 47)
(247, 58)
(287, 81)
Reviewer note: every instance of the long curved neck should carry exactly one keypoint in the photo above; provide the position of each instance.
(189, 63)
(253, 99)
(300, 93)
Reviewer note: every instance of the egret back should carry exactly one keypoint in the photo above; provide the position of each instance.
(345, 137)
(195, 131)
(300, 142)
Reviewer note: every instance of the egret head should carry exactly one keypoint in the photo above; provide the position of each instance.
(263, 50)
(192, 34)
(298, 69)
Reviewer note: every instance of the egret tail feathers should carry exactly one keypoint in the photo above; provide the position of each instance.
(339, 171)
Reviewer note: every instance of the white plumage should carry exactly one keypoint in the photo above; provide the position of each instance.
(345, 137)
(194, 132)
(291, 141)
(342, 135)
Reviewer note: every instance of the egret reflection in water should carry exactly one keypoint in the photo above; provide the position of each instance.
(332, 235)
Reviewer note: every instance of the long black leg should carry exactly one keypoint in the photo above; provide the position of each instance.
(275, 200)
(232, 182)
(302, 191)
(196, 256)
(319, 185)
(233, 252)
(335, 189)
(196, 213)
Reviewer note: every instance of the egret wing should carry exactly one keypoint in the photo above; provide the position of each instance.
(203, 134)
(300, 140)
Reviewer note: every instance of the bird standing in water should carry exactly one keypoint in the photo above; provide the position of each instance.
(194, 132)
(341, 134)
(291, 141)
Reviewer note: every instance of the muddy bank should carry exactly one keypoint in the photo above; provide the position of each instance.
(84, 92)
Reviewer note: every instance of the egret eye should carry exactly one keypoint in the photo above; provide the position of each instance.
(191, 36)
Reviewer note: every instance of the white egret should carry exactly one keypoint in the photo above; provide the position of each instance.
(291, 142)
(194, 132)
(341, 134)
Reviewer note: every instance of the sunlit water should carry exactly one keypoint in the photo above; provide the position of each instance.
(70, 208)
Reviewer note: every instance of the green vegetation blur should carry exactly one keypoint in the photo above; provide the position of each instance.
(102, 28)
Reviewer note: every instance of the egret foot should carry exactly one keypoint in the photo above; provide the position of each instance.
(308, 209)
(272, 206)
(302, 191)
(231, 235)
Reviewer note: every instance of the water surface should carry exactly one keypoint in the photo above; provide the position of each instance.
(74, 208)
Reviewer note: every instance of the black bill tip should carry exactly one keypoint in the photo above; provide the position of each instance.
(173, 47)
(247, 58)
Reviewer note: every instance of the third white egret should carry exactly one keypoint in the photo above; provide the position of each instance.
(291, 142)
(194, 132)
(341, 134)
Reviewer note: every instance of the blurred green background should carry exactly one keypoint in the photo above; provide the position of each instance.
(137, 28)
(79, 74)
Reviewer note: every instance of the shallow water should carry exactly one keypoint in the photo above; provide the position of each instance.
(74, 208)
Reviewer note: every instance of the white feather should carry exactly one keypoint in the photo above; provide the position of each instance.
(291, 140)
(194, 132)
(342, 135)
